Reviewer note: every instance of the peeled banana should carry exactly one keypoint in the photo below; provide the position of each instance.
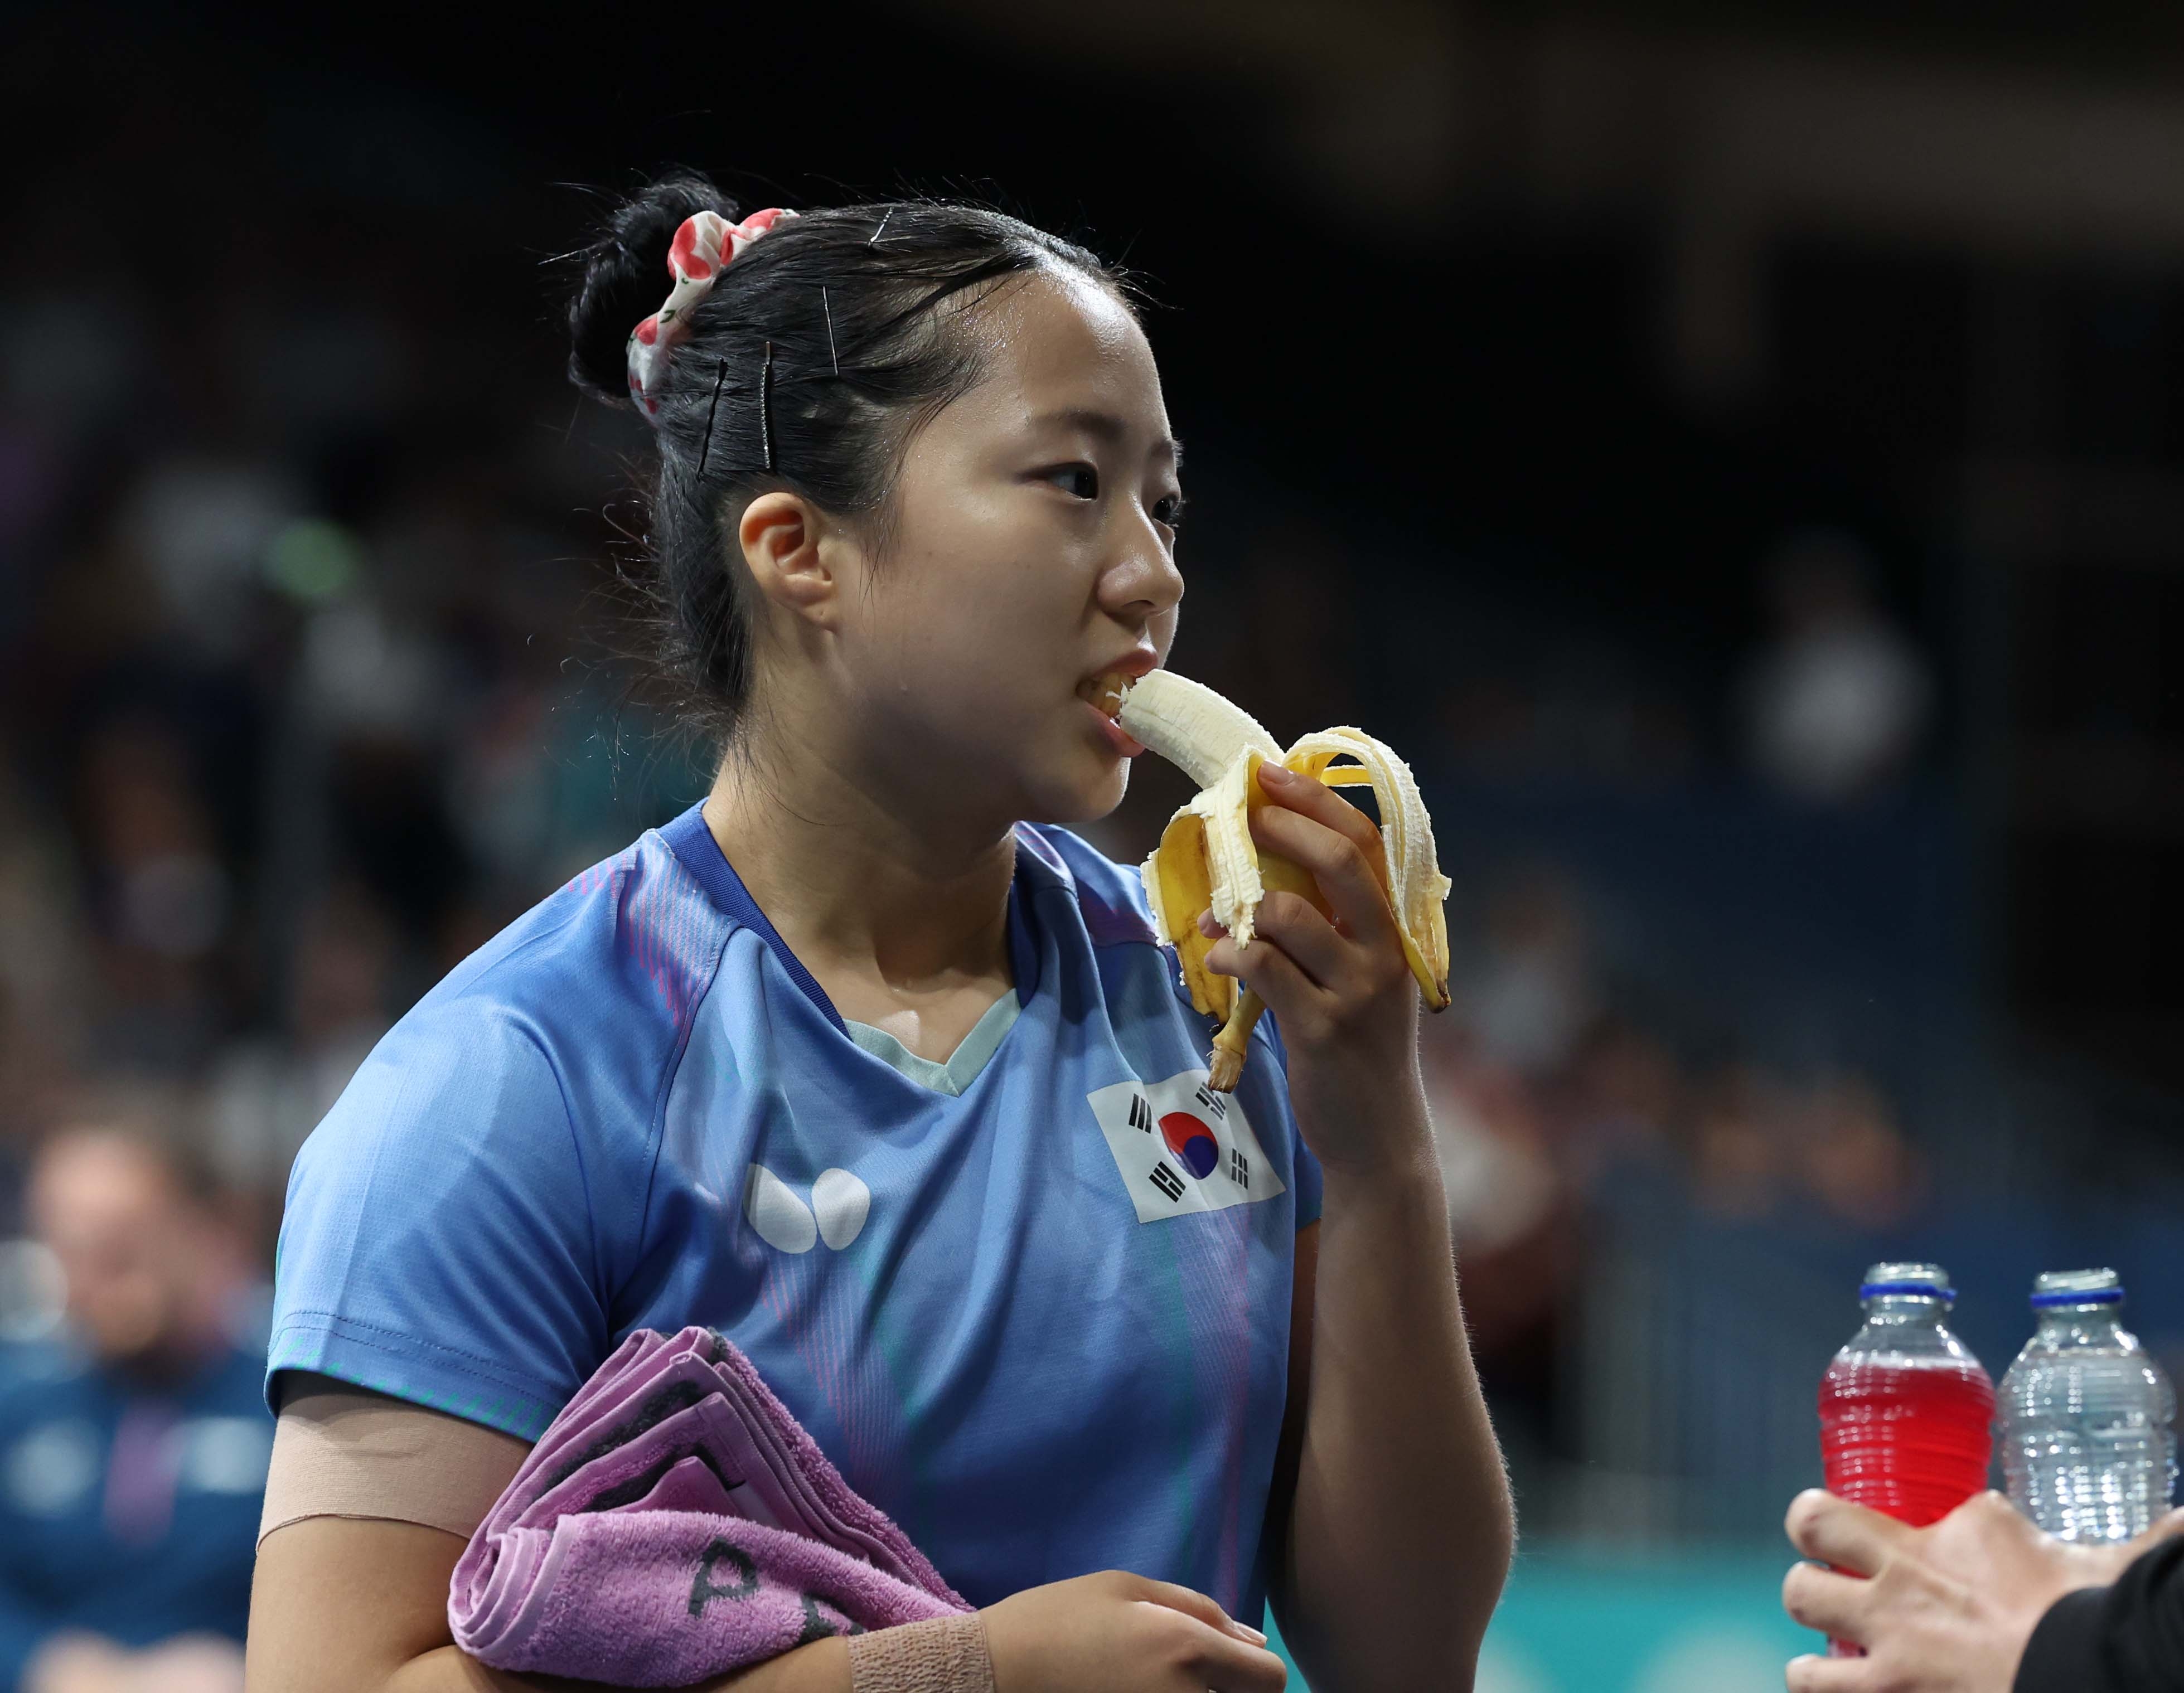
(1207, 857)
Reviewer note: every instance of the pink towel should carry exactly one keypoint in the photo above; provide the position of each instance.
(675, 1523)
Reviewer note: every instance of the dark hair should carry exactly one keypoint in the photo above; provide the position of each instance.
(848, 297)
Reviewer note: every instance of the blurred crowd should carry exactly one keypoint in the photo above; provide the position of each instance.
(305, 696)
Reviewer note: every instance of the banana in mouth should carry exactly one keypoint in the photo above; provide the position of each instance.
(1207, 857)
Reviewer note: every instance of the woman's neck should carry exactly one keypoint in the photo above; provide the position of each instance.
(863, 897)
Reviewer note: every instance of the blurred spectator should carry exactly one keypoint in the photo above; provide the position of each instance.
(1756, 1140)
(42, 976)
(202, 531)
(1854, 1159)
(1508, 1200)
(1530, 996)
(269, 1092)
(1836, 705)
(1624, 1097)
(133, 1453)
(1739, 1160)
(1528, 705)
(163, 897)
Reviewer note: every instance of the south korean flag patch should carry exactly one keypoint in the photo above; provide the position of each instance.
(1181, 1147)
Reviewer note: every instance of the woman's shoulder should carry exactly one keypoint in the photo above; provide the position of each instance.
(631, 942)
(576, 1011)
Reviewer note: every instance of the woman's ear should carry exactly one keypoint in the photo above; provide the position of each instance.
(779, 535)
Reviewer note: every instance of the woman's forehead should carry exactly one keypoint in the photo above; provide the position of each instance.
(1064, 345)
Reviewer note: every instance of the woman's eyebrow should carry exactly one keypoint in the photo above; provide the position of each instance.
(1104, 425)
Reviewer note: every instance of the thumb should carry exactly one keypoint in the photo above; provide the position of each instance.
(2164, 1527)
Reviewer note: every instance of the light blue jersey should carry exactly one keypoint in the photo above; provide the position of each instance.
(1033, 1303)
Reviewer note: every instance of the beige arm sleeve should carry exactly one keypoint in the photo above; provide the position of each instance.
(342, 1451)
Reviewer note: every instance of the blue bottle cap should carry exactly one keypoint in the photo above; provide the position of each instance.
(1907, 1281)
(2053, 1287)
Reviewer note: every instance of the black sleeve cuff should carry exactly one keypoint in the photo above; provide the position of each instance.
(2064, 1655)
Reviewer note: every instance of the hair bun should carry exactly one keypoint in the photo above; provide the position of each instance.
(626, 277)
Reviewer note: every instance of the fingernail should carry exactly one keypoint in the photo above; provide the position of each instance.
(1280, 775)
(1248, 1633)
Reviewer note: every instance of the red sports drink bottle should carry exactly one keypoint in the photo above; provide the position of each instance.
(1907, 1414)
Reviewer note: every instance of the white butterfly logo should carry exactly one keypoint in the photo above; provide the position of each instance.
(841, 1202)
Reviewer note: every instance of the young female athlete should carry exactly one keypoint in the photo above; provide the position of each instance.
(859, 1061)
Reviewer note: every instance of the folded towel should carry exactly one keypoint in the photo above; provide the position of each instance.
(675, 1523)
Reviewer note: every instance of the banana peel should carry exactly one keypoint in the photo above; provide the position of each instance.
(1207, 859)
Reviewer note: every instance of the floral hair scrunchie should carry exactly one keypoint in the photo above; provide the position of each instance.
(705, 246)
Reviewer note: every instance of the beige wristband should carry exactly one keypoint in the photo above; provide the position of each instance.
(946, 1655)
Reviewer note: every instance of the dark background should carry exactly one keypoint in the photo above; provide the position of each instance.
(1565, 387)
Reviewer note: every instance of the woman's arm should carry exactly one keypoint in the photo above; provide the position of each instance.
(346, 1605)
(1399, 1529)
(371, 1500)
(1399, 1533)
(358, 1604)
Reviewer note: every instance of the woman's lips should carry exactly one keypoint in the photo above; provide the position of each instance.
(1104, 694)
(1120, 742)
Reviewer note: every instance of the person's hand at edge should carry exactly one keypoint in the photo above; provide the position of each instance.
(1945, 1609)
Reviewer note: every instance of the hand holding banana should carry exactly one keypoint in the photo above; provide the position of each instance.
(1351, 914)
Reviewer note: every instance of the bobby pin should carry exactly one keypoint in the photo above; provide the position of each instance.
(710, 411)
(766, 406)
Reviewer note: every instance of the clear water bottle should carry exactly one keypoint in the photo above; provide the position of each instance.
(2088, 1441)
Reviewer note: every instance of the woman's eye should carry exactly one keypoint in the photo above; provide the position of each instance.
(1168, 509)
(1081, 480)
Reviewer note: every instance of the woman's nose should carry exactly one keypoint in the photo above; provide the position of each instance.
(1144, 576)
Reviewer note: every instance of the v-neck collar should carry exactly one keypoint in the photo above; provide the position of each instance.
(964, 1063)
(697, 852)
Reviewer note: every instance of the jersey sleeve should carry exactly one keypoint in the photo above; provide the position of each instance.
(442, 1238)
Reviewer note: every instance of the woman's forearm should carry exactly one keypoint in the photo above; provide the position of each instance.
(821, 1666)
(1400, 1529)
(341, 1604)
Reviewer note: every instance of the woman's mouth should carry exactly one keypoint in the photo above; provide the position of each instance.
(1103, 695)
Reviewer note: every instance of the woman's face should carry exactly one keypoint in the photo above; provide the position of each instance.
(1032, 548)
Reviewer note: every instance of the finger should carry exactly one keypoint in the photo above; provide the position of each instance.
(1834, 1604)
(1337, 863)
(1837, 1532)
(1192, 1603)
(1296, 926)
(1229, 1665)
(1815, 1675)
(1315, 799)
(1291, 922)
(1274, 976)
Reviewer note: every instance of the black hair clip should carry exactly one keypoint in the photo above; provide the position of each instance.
(710, 412)
(766, 407)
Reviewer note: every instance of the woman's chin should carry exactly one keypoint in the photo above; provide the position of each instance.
(1094, 789)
